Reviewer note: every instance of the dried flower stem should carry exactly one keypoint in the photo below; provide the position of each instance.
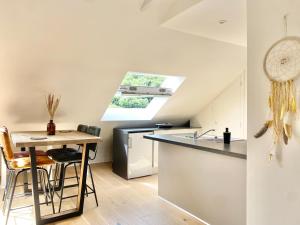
(52, 104)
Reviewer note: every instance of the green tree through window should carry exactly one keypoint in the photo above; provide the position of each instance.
(136, 79)
(133, 79)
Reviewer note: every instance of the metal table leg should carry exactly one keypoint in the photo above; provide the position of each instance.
(81, 193)
(82, 183)
(35, 190)
(25, 177)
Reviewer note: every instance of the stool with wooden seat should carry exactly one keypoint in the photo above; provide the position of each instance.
(22, 154)
(18, 165)
(70, 156)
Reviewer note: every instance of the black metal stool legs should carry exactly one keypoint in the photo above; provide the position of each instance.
(76, 173)
(62, 177)
(93, 185)
(10, 194)
(6, 186)
(62, 186)
(45, 185)
(8, 189)
(49, 189)
(42, 185)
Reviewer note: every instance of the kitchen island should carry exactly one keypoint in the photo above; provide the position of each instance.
(204, 177)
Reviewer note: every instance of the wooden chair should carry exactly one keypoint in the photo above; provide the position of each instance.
(16, 165)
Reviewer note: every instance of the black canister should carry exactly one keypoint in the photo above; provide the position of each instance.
(226, 136)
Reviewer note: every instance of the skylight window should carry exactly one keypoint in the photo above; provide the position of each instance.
(140, 96)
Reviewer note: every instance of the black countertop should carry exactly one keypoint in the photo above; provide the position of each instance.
(237, 148)
(149, 129)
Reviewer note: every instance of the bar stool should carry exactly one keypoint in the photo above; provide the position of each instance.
(19, 165)
(63, 150)
(70, 156)
(18, 155)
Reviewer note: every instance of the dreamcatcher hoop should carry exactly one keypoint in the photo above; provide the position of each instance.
(282, 60)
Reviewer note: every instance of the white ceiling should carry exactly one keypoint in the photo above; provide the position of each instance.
(203, 19)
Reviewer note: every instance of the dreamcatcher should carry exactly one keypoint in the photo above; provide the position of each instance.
(282, 66)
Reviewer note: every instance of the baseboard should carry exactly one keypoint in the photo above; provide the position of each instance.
(100, 161)
(183, 210)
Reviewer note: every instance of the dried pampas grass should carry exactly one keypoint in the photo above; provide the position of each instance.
(52, 104)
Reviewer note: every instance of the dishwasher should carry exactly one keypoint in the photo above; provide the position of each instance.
(133, 155)
(140, 155)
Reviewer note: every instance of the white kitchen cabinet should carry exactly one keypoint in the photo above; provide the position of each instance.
(140, 155)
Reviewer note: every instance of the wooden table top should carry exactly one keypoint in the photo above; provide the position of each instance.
(62, 137)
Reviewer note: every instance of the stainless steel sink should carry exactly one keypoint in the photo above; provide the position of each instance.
(205, 137)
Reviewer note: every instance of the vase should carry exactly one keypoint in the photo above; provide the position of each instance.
(51, 128)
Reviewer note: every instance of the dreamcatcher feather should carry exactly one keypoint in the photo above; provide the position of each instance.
(282, 66)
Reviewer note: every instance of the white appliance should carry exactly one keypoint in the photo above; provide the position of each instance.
(142, 155)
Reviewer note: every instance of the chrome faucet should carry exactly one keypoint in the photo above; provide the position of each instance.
(196, 136)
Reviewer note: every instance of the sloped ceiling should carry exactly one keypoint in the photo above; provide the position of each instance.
(81, 49)
(223, 20)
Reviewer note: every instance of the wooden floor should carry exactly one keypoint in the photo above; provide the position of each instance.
(121, 202)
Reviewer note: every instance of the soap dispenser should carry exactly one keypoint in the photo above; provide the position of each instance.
(226, 136)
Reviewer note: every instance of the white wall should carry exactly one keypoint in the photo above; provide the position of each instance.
(228, 109)
(273, 187)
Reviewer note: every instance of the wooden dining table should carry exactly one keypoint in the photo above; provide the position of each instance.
(33, 139)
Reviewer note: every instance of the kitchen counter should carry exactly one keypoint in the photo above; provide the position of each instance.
(147, 129)
(205, 177)
(237, 148)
